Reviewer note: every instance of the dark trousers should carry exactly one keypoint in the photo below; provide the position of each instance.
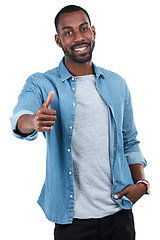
(119, 226)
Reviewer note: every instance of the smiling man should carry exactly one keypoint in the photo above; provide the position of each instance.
(94, 166)
(73, 50)
(77, 39)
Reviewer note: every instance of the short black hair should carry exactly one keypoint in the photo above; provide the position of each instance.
(67, 9)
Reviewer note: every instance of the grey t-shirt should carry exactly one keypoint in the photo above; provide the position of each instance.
(90, 153)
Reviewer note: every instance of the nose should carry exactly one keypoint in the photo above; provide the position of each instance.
(78, 37)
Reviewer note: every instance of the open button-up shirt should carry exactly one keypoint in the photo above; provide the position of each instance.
(57, 195)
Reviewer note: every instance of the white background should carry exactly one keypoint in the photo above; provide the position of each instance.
(127, 42)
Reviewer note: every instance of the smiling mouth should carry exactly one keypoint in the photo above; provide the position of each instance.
(80, 48)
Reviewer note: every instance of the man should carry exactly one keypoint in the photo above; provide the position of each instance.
(94, 168)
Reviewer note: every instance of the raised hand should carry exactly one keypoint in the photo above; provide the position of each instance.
(45, 117)
(42, 121)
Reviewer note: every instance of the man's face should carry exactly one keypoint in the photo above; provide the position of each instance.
(76, 37)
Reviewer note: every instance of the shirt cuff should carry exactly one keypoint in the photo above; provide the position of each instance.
(17, 134)
(136, 158)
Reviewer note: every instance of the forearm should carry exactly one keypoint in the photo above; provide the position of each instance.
(25, 124)
(137, 172)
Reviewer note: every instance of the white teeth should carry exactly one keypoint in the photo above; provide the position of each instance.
(80, 49)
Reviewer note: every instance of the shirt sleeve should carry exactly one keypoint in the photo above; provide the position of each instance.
(29, 101)
(131, 144)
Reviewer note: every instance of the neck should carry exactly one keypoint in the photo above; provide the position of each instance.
(79, 69)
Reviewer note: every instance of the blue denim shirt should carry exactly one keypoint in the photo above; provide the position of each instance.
(57, 195)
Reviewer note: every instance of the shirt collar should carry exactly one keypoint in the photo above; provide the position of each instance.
(65, 74)
(98, 71)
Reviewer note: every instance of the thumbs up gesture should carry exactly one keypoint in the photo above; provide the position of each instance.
(45, 117)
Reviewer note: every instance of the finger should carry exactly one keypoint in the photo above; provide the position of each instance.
(49, 99)
(44, 129)
(43, 111)
(116, 196)
(43, 117)
(119, 195)
(46, 123)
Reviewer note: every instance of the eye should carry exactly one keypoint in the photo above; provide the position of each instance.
(84, 29)
(68, 33)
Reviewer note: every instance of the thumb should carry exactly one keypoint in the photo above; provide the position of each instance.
(119, 195)
(49, 99)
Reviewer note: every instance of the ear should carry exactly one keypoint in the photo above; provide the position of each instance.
(58, 40)
(93, 31)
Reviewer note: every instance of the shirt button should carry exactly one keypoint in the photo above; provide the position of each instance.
(69, 149)
(74, 104)
(73, 78)
(70, 127)
(70, 173)
(73, 88)
(71, 196)
(114, 148)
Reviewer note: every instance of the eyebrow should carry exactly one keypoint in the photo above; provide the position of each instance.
(66, 27)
